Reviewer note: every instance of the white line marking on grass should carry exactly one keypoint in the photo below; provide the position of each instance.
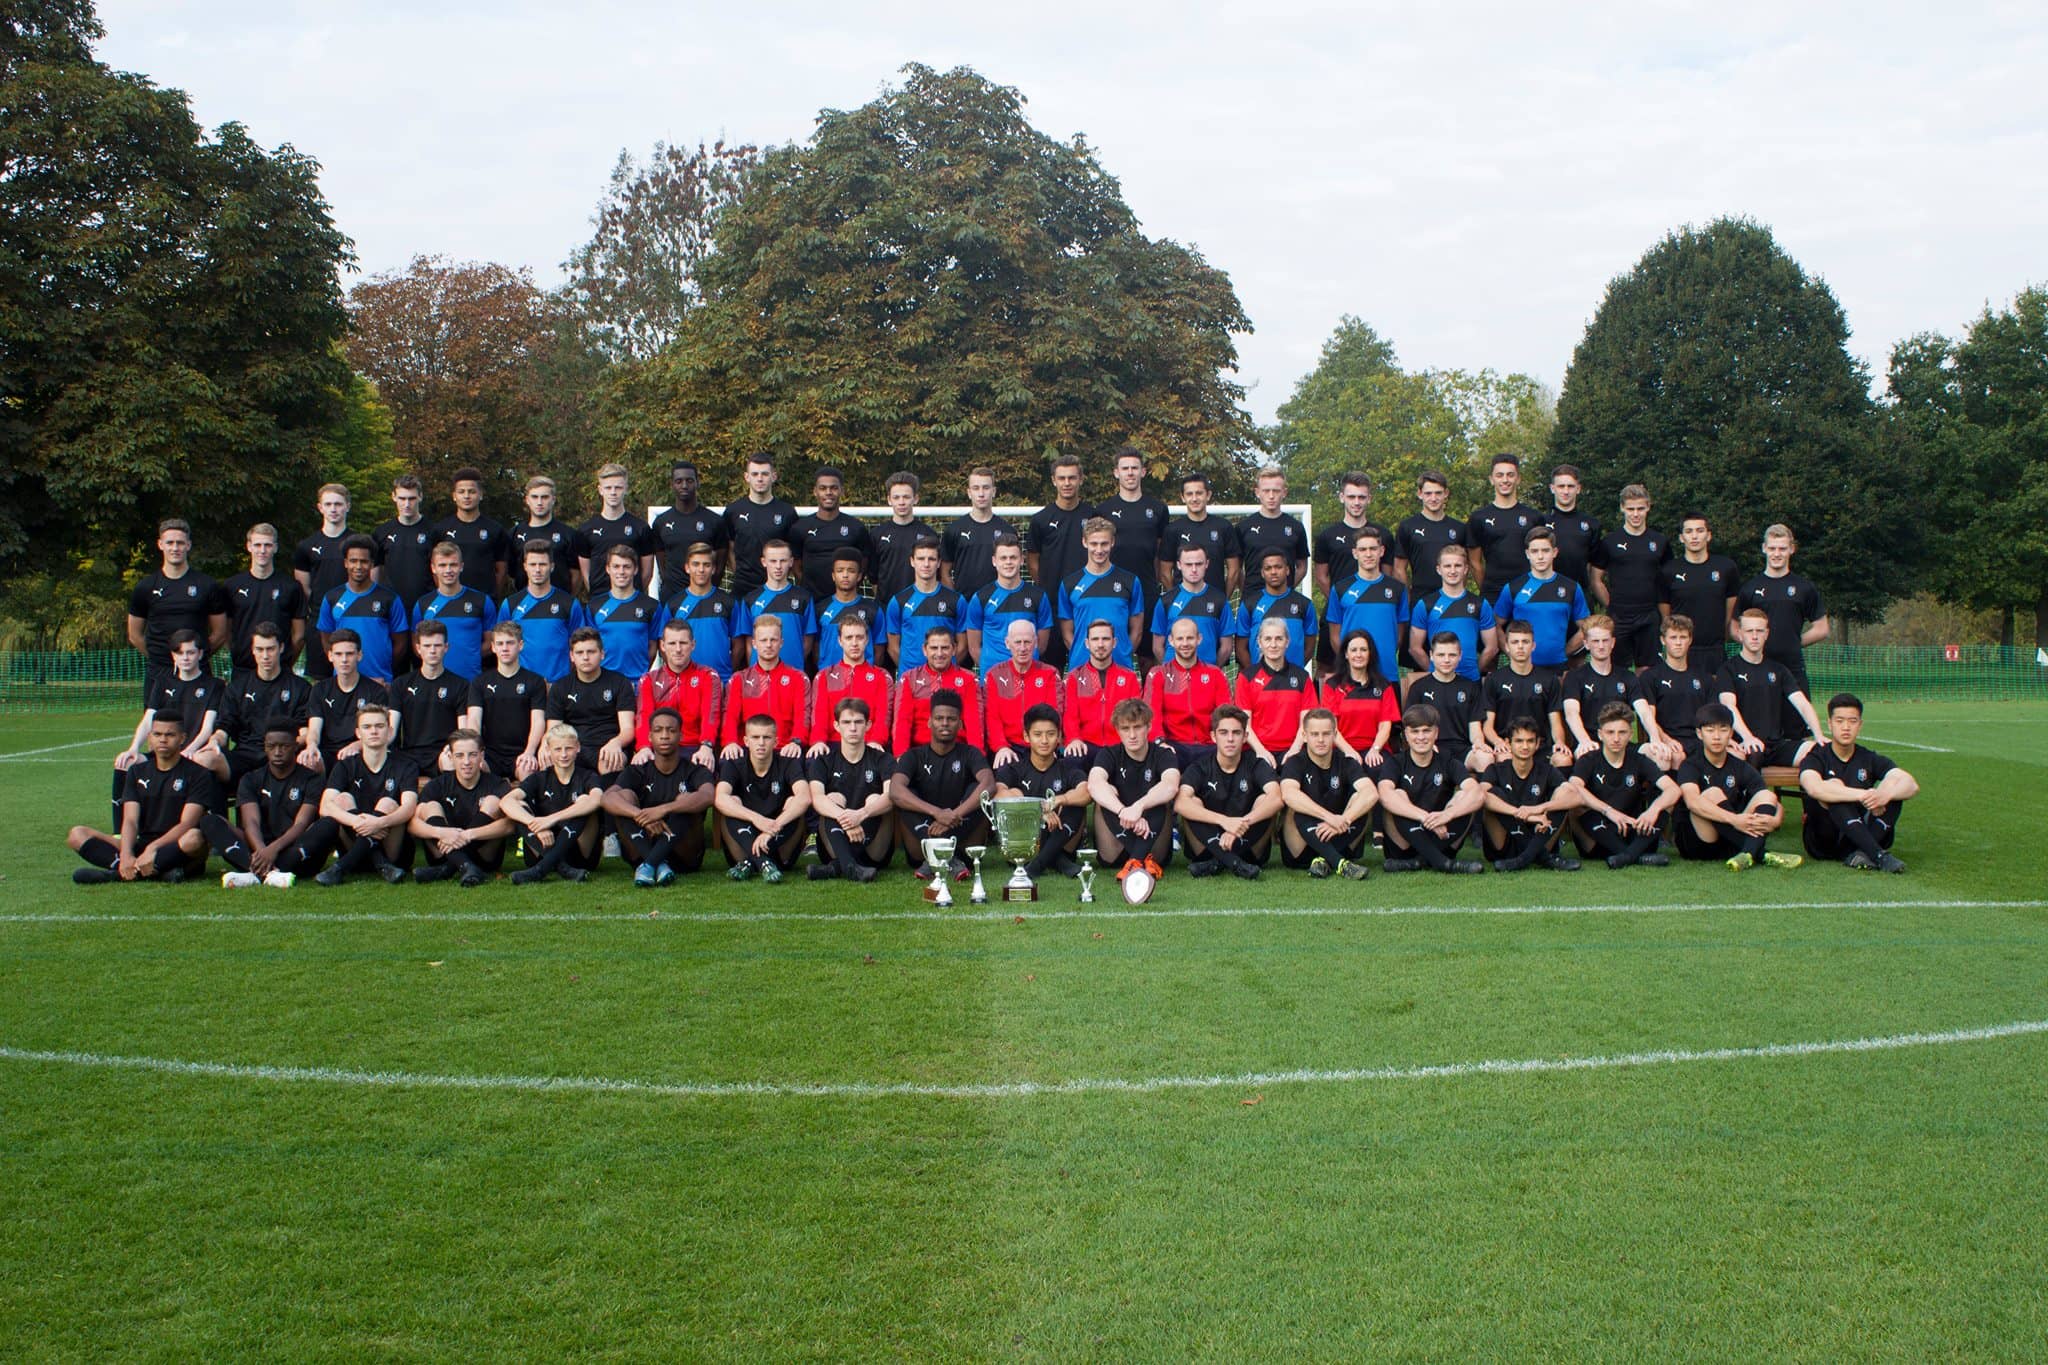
(58, 748)
(1004, 1090)
(974, 916)
(1908, 744)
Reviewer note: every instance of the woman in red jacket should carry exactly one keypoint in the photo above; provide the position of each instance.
(1367, 703)
(1277, 693)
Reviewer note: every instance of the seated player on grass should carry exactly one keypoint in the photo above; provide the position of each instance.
(850, 793)
(853, 674)
(1276, 694)
(1456, 701)
(1518, 688)
(938, 785)
(758, 807)
(282, 835)
(658, 806)
(162, 802)
(1429, 801)
(1729, 812)
(1623, 795)
(1526, 802)
(680, 684)
(1055, 777)
(1329, 797)
(508, 706)
(1760, 693)
(559, 808)
(1134, 784)
(371, 795)
(1096, 686)
(1853, 796)
(1228, 798)
(460, 820)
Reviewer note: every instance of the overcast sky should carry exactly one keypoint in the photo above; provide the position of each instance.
(1465, 178)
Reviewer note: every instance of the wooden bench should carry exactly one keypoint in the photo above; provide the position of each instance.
(1784, 781)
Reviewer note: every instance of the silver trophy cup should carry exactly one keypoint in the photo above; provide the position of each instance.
(1016, 822)
(938, 856)
(1087, 874)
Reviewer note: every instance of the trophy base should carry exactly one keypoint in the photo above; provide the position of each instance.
(1020, 895)
(942, 896)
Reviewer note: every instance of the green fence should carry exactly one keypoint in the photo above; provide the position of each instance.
(111, 680)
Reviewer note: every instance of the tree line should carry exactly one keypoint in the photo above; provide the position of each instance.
(927, 282)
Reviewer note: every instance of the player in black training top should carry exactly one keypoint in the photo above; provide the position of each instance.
(754, 520)
(819, 537)
(760, 803)
(1060, 780)
(1729, 812)
(938, 786)
(891, 541)
(336, 701)
(1429, 802)
(559, 808)
(1267, 528)
(264, 592)
(1228, 798)
(1336, 563)
(850, 793)
(1576, 530)
(1797, 617)
(508, 706)
(460, 820)
(429, 701)
(613, 525)
(1497, 533)
(480, 538)
(316, 564)
(195, 697)
(1140, 520)
(176, 597)
(1329, 798)
(564, 544)
(162, 803)
(1420, 539)
(1774, 720)
(1134, 783)
(1628, 565)
(687, 522)
(1527, 800)
(1216, 536)
(1676, 689)
(1456, 701)
(967, 545)
(597, 702)
(1520, 689)
(371, 795)
(1700, 584)
(282, 835)
(404, 543)
(1853, 796)
(658, 806)
(1623, 796)
(1596, 682)
(258, 697)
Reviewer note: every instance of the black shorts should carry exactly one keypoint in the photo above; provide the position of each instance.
(1638, 643)
(1780, 753)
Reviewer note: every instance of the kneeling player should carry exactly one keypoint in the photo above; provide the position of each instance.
(1729, 812)
(460, 820)
(557, 806)
(760, 802)
(162, 801)
(938, 787)
(1622, 793)
(1134, 783)
(658, 804)
(1329, 797)
(1852, 795)
(1429, 801)
(1526, 799)
(283, 836)
(1228, 798)
(1058, 779)
(850, 792)
(371, 795)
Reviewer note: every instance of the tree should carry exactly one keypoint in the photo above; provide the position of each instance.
(930, 282)
(1358, 410)
(169, 308)
(631, 284)
(1974, 415)
(463, 356)
(1716, 372)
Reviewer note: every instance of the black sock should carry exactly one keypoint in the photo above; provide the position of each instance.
(1856, 830)
(657, 851)
(99, 852)
(551, 857)
(1428, 847)
(226, 840)
(1753, 845)
(1638, 846)
(837, 847)
(357, 855)
(1606, 838)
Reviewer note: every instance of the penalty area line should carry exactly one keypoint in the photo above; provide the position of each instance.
(1005, 1090)
(1909, 744)
(657, 915)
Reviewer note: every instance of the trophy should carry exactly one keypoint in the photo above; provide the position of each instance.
(1016, 822)
(1086, 876)
(938, 856)
(979, 895)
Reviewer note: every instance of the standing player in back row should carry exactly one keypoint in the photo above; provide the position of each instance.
(1628, 565)
(480, 538)
(261, 593)
(316, 563)
(176, 597)
(1497, 533)
(686, 524)
(820, 538)
(1266, 527)
(1138, 520)
(1700, 584)
(614, 525)
(1792, 603)
(1576, 530)
(967, 546)
(1333, 549)
(1421, 539)
(1216, 536)
(754, 520)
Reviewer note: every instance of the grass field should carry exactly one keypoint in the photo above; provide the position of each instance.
(812, 1121)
